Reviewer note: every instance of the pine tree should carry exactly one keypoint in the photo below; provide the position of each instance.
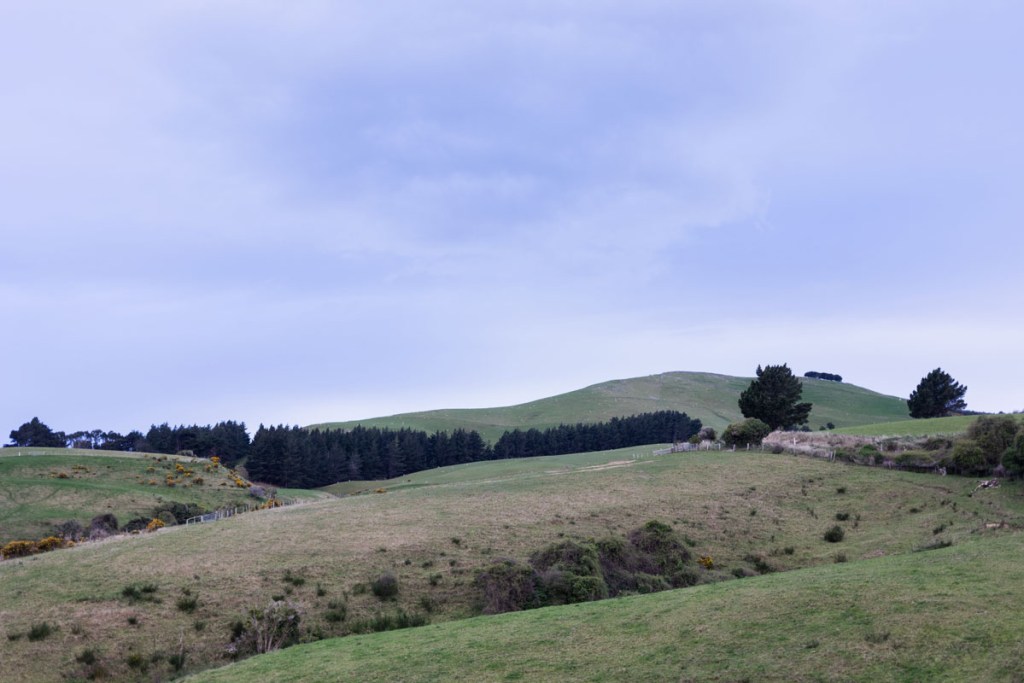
(774, 398)
(937, 395)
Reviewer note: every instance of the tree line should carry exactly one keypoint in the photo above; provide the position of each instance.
(295, 457)
(229, 440)
(831, 377)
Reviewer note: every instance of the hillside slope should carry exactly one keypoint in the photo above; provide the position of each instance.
(948, 615)
(711, 398)
(42, 487)
(750, 511)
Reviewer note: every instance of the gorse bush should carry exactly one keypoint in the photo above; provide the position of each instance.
(835, 534)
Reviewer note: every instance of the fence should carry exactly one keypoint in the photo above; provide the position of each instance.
(687, 446)
(225, 513)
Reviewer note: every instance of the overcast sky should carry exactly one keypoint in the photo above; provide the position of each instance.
(308, 211)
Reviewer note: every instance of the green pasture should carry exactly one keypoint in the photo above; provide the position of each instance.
(935, 426)
(41, 487)
(709, 397)
(434, 530)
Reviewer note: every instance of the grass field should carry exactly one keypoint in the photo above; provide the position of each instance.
(953, 614)
(709, 397)
(41, 487)
(956, 424)
(434, 529)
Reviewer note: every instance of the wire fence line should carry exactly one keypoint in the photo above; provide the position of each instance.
(225, 513)
(687, 447)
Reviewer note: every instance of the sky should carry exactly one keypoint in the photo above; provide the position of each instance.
(312, 211)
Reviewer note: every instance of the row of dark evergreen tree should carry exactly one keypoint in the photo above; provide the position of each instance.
(301, 458)
(665, 426)
(824, 375)
(229, 440)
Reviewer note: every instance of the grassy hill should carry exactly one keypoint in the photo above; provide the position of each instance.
(956, 424)
(899, 618)
(41, 487)
(433, 530)
(709, 397)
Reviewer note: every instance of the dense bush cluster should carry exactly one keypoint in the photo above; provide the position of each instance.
(651, 558)
(749, 431)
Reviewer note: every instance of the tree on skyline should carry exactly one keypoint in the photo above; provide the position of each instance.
(35, 433)
(937, 395)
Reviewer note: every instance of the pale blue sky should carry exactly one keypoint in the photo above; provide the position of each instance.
(306, 211)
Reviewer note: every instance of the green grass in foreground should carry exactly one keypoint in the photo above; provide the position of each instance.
(955, 424)
(709, 397)
(953, 614)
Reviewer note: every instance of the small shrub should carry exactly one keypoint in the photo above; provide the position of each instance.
(177, 660)
(937, 545)
(789, 550)
(435, 579)
(133, 621)
(939, 529)
(41, 631)
(760, 564)
(389, 622)
(835, 534)
(88, 657)
(506, 586)
(267, 629)
(840, 558)
(842, 516)
(840, 490)
(140, 592)
(877, 637)
(385, 586)
(320, 591)
(136, 661)
(188, 603)
(336, 612)
(292, 579)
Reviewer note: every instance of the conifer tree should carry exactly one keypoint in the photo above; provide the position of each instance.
(937, 395)
(774, 398)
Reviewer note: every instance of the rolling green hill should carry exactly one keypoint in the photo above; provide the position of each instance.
(41, 487)
(434, 530)
(709, 397)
